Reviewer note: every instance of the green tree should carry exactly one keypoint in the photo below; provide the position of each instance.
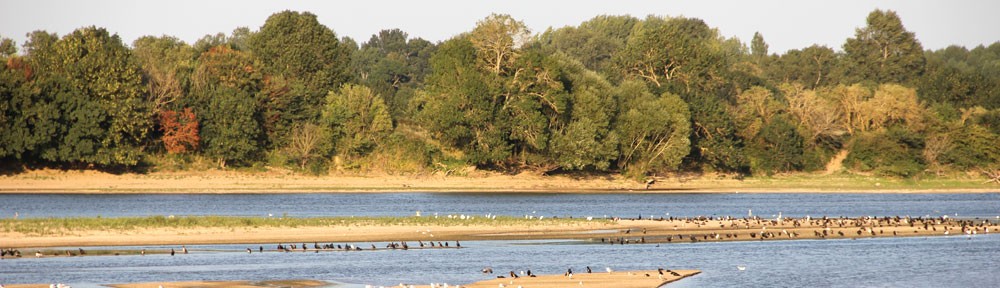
(755, 107)
(778, 148)
(582, 136)
(311, 60)
(972, 146)
(100, 67)
(888, 152)
(497, 39)
(357, 118)
(230, 129)
(459, 104)
(594, 42)
(884, 51)
(28, 113)
(210, 41)
(818, 114)
(167, 64)
(393, 66)
(679, 52)
(226, 98)
(758, 48)
(814, 66)
(654, 130)
(7, 47)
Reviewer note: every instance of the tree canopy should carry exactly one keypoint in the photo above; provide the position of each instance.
(614, 94)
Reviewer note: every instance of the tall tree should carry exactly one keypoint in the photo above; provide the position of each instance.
(460, 104)
(7, 47)
(393, 66)
(678, 52)
(583, 136)
(884, 51)
(758, 48)
(654, 130)
(497, 39)
(167, 64)
(309, 57)
(813, 67)
(227, 101)
(100, 67)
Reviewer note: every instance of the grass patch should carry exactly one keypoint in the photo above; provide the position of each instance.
(846, 181)
(68, 226)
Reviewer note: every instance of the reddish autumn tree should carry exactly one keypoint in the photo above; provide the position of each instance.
(180, 130)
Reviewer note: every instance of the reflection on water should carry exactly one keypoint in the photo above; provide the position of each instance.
(878, 262)
(514, 204)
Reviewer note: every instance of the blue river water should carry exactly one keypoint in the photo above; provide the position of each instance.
(512, 204)
(955, 261)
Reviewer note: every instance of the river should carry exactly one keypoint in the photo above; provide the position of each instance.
(955, 261)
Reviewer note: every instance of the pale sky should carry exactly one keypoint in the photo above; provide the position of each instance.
(784, 24)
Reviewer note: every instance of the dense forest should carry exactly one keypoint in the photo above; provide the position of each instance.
(616, 94)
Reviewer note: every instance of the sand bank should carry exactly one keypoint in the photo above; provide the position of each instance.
(619, 232)
(57, 181)
(623, 279)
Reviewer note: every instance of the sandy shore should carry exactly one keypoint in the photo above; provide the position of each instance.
(605, 232)
(49, 181)
(622, 279)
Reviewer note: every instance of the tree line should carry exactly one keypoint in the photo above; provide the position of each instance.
(614, 94)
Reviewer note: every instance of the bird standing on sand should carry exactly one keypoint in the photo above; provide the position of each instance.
(172, 252)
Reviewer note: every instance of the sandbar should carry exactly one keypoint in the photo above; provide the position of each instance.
(620, 231)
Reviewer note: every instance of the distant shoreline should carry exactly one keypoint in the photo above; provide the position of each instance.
(222, 182)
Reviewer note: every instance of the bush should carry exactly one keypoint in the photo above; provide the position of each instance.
(972, 147)
(895, 152)
(779, 148)
(399, 152)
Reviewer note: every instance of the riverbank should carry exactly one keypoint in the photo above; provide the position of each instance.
(23, 234)
(217, 181)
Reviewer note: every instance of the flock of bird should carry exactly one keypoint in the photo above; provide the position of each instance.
(316, 247)
(756, 228)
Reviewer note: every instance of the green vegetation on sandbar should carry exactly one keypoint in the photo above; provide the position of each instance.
(68, 226)
(848, 182)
